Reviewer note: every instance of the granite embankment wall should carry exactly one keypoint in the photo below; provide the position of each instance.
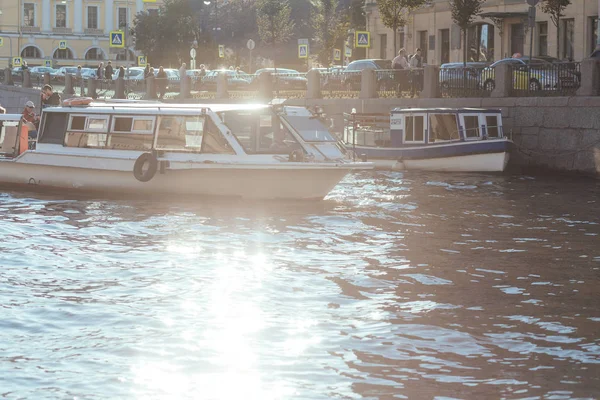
(13, 98)
(557, 133)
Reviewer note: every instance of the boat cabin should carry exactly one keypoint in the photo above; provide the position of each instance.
(419, 126)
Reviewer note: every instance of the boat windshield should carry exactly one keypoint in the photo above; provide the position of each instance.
(311, 129)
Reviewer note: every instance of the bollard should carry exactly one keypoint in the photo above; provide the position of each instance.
(314, 84)
(185, 87)
(8, 76)
(368, 84)
(120, 89)
(503, 81)
(265, 86)
(222, 86)
(92, 83)
(27, 79)
(47, 78)
(590, 78)
(150, 87)
(68, 84)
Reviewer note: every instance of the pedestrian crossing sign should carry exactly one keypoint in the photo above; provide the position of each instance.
(62, 45)
(337, 54)
(221, 51)
(48, 63)
(17, 61)
(117, 39)
(302, 51)
(363, 39)
(142, 61)
(348, 51)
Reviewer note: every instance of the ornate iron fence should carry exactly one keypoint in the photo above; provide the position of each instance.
(399, 82)
(556, 79)
(465, 82)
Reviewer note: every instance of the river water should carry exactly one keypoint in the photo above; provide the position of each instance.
(419, 286)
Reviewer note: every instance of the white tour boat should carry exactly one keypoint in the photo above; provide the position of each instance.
(150, 148)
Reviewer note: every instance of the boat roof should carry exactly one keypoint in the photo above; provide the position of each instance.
(152, 107)
(11, 117)
(446, 110)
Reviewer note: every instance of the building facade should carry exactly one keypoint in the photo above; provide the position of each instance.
(500, 30)
(36, 29)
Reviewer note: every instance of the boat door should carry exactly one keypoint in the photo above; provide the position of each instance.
(10, 137)
(471, 125)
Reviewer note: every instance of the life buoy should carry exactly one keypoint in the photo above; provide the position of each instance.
(141, 174)
(77, 101)
(296, 156)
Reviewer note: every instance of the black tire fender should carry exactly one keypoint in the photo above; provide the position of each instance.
(138, 167)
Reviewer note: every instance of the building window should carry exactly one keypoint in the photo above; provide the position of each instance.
(29, 14)
(122, 18)
(383, 46)
(65, 54)
(481, 42)
(61, 16)
(594, 39)
(94, 54)
(542, 38)
(568, 38)
(31, 52)
(400, 41)
(92, 17)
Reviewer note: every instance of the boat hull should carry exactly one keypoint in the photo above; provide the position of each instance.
(476, 156)
(300, 183)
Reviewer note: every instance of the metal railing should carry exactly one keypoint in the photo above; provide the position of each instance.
(556, 79)
(399, 82)
(340, 84)
(465, 82)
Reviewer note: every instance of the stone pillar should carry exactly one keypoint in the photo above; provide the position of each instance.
(185, 89)
(368, 84)
(503, 81)
(47, 78)
(265, 86)
(120, 89)
(222, 86)
(27, 79)
(314, 84)
(150, 87)
(431, 83)
(590, 78)
(8, 77)
(68, 84)
(92, 83)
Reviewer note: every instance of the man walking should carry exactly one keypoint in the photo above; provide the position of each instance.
(416, 64)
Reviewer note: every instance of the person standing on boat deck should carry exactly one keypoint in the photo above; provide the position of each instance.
(48, 97)
(2, 110)
(161, 81)
(29, 115)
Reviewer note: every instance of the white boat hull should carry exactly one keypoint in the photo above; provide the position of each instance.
(490, 162)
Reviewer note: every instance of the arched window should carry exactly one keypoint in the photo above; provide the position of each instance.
(94, 54)
(31, 52)
(65, 54)
(481, 43)
(122, 56)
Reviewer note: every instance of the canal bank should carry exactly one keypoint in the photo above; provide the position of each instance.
(557, 133)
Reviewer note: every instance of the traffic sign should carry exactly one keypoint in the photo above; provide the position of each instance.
(142, 61)
(221, 51)
(337, 54)
(302, 51)
(62, 45)
(1, 41)
(193, 54)
(251, 44)
(17, 61)
(48, 63)
(348, 51)
(117, 39)
(362, 39)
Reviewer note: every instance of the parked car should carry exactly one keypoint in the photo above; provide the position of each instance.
(456, 76)
(284, 78)
(352, 73)
(131, 74)
(38, 72)
(535, 75)
(332, 77)
(235, 79)
(59, 74)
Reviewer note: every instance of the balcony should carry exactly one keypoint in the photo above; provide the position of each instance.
(30, 29)
(62, 30)
(93, 31)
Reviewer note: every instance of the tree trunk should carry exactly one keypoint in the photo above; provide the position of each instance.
(395, 28)
(558, 37)
(465, 48)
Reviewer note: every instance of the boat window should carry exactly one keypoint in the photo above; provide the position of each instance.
(311, 129)
(97, 124)
(86, 140)
(213, 141)
(9, 137)
(443, 127)
(142, 125)
(260, 133)
(414, 128)
(471, 126)
(180, 133)
(493, 128)
(54, 126)
(77, 123)
(133, 124)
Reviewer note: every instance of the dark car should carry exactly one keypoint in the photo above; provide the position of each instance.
(236, 80)
(456, 76)
(284, 78)
(353, 72)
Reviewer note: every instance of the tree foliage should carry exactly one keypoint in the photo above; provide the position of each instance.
(463, 12)
(394, 14)
(555, 9)
(165, 38)
(329, 28)
(273, 20)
